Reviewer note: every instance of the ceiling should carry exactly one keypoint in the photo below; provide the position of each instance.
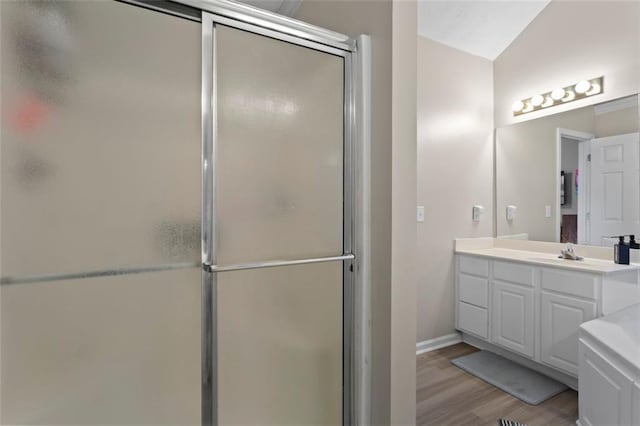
(482, 28)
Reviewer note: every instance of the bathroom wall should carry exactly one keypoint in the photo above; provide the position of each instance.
(403, 254)
(617, 122)
(375, 19)
(455, 171)
(569, 41)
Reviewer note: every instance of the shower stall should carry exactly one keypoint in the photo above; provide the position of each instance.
(183, 216)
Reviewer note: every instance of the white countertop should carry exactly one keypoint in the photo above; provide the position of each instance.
(548, 259)
(620, 332)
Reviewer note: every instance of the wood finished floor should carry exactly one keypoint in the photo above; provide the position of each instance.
(447, 395)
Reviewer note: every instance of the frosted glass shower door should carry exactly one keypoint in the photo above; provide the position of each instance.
(279, 165)
(279, 183)
(99, 215)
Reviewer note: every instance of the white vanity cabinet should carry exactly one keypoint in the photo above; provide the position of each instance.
(531, 312)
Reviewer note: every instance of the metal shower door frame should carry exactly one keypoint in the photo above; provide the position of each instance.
(291, 31)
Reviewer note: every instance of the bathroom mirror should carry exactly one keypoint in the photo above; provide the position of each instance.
(572, 176)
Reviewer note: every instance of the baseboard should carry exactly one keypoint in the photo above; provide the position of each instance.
(437, 343)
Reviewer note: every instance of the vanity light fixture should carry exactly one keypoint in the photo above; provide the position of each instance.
(582, 86)
(569, 96)
(537, 100)
(517, 106)
(595, 89)
(548, 101)
(558, 96)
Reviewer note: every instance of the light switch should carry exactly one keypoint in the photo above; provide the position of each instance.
(547, 211)
(511, 212)
(477, 212)
(420, 214)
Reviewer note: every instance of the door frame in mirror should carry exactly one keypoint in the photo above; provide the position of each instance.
(583, 139)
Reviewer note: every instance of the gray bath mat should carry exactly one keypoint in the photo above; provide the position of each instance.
(521, 382)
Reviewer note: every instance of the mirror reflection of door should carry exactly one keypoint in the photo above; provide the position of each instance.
(599, 187)
(615, 188)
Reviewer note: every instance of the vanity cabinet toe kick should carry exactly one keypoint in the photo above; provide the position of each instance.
(531, 313)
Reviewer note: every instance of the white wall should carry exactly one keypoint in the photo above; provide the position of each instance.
(455, 171)
(567, 42)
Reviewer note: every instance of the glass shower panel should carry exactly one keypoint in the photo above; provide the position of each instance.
(280, 345)
(121, 350)
(279, 166)
(100, 137)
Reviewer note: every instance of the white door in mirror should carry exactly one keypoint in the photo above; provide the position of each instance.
(615, 187)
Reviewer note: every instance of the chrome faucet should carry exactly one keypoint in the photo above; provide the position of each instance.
(569, 253)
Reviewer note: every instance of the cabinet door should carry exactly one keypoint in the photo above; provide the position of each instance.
(560, 318)
(512, 317)
(605, 392)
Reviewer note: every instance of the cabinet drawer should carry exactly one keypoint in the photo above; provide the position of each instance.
(574, 283)
(474, 266)
(473, 290)
(513, 272)
(472, 319)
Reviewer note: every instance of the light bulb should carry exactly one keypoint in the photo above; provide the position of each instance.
(595, 89)
(582, 87)
(537, 100)
(570, 95)
(547, 102)
(517, 106)
(557, 94)
(528, 107)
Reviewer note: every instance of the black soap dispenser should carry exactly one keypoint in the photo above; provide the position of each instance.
(621, 252)
(634, 248)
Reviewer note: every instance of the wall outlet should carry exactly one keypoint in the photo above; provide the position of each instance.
(547, 211)
(420, 214)
(477, 213)
(511, 212)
